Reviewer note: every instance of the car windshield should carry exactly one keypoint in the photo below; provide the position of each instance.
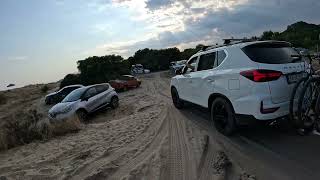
(74, 95)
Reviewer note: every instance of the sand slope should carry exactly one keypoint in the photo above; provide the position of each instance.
(145, 138)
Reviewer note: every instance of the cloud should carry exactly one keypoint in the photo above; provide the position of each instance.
(156, 4)
(185, 23)
(17, 58)
(102, 28)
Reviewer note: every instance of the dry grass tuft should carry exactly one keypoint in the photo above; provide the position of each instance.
(24, 127)
(71, 124)
(3, 99)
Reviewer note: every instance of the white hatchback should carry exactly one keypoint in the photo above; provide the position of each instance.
(240, 82)
(85, 100)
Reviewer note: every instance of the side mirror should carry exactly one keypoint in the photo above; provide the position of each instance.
(178, 72)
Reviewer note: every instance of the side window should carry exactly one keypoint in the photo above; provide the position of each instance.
(91, 92)
(65, 91)
(101, 88)
(192, 64)
(221, 56)
(206, 61)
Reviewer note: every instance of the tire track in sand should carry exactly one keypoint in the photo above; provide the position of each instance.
(151, 148)
(181, 161)
(89, 170)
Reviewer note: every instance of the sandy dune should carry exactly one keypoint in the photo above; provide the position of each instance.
(145, 138)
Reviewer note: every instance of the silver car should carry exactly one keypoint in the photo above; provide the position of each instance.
(85, 100)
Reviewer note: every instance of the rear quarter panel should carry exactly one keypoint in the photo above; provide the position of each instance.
(228, 80)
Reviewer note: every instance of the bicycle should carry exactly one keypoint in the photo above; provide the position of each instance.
(306, 115)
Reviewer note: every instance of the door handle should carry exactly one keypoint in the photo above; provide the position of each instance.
(210, 80)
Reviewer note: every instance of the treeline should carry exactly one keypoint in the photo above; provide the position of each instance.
(101, 69)
(300, 34)
(104, 68)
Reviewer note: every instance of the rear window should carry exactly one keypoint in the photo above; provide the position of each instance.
(101, 88)
(272, 53)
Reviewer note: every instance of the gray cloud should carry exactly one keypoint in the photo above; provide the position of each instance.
(244, 19)
(247, 19)
(156, 4)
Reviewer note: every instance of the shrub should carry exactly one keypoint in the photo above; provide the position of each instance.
(70, 79)
(3, 99)
(69, 125)
(44, 89)
(24, 127)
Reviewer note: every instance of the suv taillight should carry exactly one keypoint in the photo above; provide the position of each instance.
(261, 75)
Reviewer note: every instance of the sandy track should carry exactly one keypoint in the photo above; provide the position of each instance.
(145, 138)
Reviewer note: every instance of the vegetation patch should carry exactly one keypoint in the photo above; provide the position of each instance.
(24, 127)
(3, 99)
(44, 89)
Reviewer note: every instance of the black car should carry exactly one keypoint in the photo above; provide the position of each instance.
(58, 96)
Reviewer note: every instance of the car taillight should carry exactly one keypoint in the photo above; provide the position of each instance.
(261, 75)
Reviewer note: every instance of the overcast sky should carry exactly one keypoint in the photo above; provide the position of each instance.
(41, 40)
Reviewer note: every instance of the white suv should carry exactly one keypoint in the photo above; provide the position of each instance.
(85, 100)
(240, 82)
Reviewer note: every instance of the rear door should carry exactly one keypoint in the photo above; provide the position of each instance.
(102, 95)
(278, 56)
(91, 99)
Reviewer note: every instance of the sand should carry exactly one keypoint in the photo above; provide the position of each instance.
(144, 138)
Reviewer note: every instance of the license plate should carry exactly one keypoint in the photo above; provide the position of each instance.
(293, 78)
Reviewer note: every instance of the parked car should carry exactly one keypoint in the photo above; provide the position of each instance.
(58, 96)
(139, 69)
(85, 100)
(240, 82)
(125, 82)
(177, 65)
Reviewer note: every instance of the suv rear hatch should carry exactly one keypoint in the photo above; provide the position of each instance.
(279, 57)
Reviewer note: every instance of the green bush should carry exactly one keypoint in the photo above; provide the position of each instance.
(3, 99)
(96, 69)
(70, 79)
(44, 89)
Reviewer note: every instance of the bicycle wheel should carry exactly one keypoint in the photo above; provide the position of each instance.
(317, 112)
(306, 105)
(294, 97)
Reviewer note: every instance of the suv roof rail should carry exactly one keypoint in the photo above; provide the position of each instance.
(228, 42)
(235, 41)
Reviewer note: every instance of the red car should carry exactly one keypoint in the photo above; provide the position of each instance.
(125, 82)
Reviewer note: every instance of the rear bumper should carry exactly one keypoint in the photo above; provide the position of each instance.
(244, 120)
(252, 106)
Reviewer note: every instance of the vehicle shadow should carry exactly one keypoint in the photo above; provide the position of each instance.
(279, 139)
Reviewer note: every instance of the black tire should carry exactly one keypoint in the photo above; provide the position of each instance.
(177, 102)
(305, 104)
(295, 92)
(114, 102)
(82, 115)
(223, 116)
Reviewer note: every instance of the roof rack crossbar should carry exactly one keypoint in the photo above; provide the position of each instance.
(228, 42)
